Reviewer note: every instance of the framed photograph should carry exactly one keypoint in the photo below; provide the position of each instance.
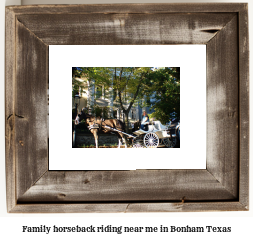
(47, 46)
(98, 102)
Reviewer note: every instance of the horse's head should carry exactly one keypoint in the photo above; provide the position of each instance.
(80, 116)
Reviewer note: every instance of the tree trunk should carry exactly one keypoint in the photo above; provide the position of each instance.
(126, 121)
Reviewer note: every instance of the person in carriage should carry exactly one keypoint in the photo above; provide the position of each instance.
(144, 120)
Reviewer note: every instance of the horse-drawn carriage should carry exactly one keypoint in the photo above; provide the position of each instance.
(153, 134)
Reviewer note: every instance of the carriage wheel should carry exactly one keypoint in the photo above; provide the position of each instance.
(151, 140)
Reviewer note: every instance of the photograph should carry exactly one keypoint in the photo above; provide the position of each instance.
(126, 107)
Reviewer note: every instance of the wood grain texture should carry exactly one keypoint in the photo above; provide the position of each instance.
(9, 109)
(125, 29)
(129, 207)
(140, 185)
(154, 8)
(244, 106)
(223, 186)
(222, 107)
(30, 108)
(186, 207)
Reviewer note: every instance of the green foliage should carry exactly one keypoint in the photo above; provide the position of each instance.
(164, 93)
(77, 87)
(77, 83)
(100, 111)
(157, 88)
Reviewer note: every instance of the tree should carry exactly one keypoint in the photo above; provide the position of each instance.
(130, 86)
(124, 84)
(77, 85)
(164, 93)
(127, 86)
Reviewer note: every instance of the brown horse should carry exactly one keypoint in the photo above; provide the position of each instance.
(96, 124)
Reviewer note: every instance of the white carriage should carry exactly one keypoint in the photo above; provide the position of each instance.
(155, 135)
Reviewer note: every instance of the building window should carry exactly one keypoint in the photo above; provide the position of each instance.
(98, 91)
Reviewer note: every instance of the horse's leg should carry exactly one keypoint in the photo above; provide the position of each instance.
(95, 134)
(122, 137)
(124, 140)
(119, 138)
(96, 139)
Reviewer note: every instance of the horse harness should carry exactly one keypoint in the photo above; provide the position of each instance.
(97, 125)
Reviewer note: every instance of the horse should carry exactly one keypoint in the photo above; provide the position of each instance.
(96, 124)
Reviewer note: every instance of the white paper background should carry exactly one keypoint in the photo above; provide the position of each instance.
(192, 62)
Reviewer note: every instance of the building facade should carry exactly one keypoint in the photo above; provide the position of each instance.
(92, 95)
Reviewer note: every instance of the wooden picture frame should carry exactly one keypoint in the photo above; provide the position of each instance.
(222, 186)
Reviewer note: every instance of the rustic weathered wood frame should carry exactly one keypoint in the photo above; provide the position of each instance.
(223, 186)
